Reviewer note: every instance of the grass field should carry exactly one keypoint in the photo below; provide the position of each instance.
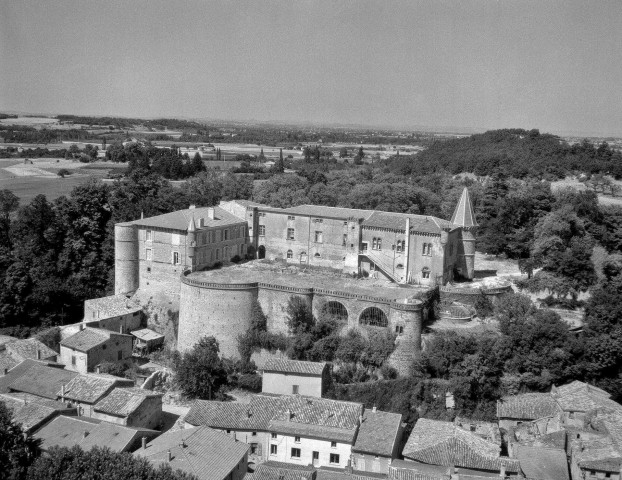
(577, 185)
(27, 188)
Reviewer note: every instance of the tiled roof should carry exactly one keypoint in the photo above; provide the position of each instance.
(87, 433)
(285, 365)
(408, 470)
(27, 348)
(527, 406)
(330, 473)
(248, 203)
(539, 463)
(146, 334)
(14, 372)
(200, 451)
(330, 212)
(32, 415)
(89, 338)
(271, 470)
(463, 215)
(42, 380)
(4, 339)
(124, 401)
(308, 416)
(378, 433)
(112, 306)
(180, 219)
(7, 362)
(90, 388)
(443, 443)
(582, 397)
(418, 223)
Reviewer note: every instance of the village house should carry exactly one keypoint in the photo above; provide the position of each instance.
(200, 451)
(37, 379)
(378, 441)
(272, 470)
(116, 313)
(32, 412)
(14, 351)
(146, 340)
(132, 407)
(84, 391)
(286, 377)
(512, 410)
(87, 433)
(83, 351)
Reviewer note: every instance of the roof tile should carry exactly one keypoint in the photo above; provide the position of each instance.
(378, 433)
(124, 401)
(285, 365)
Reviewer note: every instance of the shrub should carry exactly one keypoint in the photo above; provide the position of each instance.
(250, 382)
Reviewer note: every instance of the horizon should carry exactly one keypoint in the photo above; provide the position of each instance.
(440, 66)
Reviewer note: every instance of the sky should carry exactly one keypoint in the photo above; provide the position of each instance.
(552, 65)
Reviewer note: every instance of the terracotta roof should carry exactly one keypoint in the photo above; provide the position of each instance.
(41, 380)
(146, 334)
(418, 223)
(332, 473)
(124, 401)
(378, 433)
(409, 470)
(112, 306)
(231, 415)
(27, 348)
(88, 433)
(443, 443)
(90, 388)
(271, 470)
(180, 219)
(14, 372)
(582, 397)
(527, 406)
(7, 362)
(285, 365)
(206, 453)
(539, 463)
(463, 214)
(4, 339)
(89, 338)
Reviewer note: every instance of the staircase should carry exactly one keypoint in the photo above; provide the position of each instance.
(383, 263)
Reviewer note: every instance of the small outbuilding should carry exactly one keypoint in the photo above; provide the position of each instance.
(146, 340)
(287, 377)
(83, 351)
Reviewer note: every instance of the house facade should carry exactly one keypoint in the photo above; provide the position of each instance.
(84, 350)
(132, 407)
(286, 377)
(116, 313)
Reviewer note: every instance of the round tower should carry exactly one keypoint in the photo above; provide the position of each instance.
(126, 277)
(464, 217)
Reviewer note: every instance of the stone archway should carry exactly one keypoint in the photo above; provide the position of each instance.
(336, 310)
(373, 317)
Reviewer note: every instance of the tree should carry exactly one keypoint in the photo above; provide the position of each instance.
(201, 373)
(279, 166)
(197, 164)
(299, 316)
(17, 450)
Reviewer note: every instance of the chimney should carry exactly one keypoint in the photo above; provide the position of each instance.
(182, 444)
(210, 213)
(85, 434)
(121, 329)
(288, 415)
(6, 370)
(360, 419)
(502, 473)
(38, 354)
(169, 456)
(62, 393)
(81, 326)
(192, 207)
(144, 442)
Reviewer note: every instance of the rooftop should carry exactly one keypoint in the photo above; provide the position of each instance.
(90, 388)
(180, 219)
(543, 463)
(582, 397)
(200, 451)
(443, 443)
(271, 470)
(324, 211)
(378, 433)
(89, 338)
(30, 348)
(31, 413)
(41, 380)
(124, 401)
(112, 306)
(284, 365)
(274, 273)
(418, 223)
(147, 335)
(527, 406)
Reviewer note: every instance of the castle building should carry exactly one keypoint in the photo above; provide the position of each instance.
(401, 248)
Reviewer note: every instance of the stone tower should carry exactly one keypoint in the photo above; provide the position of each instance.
(125, 258)
(464, 217)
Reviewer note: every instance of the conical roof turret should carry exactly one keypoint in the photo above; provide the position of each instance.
(464, 215)
(192, 227)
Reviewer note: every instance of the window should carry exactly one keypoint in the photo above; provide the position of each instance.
(148, 254)
(290, 254)
(400, 246)
(228, 431)
(345, 239)
(429, 249)
(318, 220)
(295, 389)
(334, 458)
(399, 266)
(273, 449)
(317, 255)
(253, 434)
(291, 217)
(73, 359)
(262, 230)
(316, 455)
(296, 439)
(120, 355)
(399, 329)
(345, 224)
(318, 236)
(425, 273)
(273, 435)
(218, 254)
(364, 246)
(149, 235)
(376, 243)
(333, 444)
(175, 258)
(295, 453)
(290, 234)
(226, 233)
(253, 448)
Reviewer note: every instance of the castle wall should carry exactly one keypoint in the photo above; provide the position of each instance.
(274, 300)
(125, 258)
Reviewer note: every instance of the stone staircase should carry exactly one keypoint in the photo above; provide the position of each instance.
(382, 263)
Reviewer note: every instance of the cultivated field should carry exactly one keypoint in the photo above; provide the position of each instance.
(577, 185)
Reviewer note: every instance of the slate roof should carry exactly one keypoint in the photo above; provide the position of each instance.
(89, 338)
(582, 397)
(41, 380)
(539, 463)
(527, 406)
(418, 223)
(271, 470)
(463, 214)
(90, 388)
(284, 365)
(308, 416)
(87, 433)
(124, 401)
(27, 348)
(147, 334)
(180, 219)
(328, 212)
(206, 453)
(378, 433)
(443, 443)
(112, 306)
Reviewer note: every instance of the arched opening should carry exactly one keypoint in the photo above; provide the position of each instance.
(303, 257)
(425, 272)
(317, 255)
(336, 310)
(373, 317)
(290, 254)
(261, 251)
(250, 251)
